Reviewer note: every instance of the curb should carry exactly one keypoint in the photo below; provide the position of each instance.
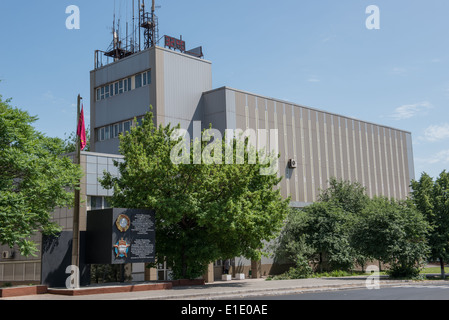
(238, 294)
(316, 289)
(217, 293)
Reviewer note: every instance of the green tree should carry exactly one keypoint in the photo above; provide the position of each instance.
(349, 196)
(203, 212)
(327, 232)
(432, 200)
(291, 246)
(322, 231)
(34, 179)
(393, 232)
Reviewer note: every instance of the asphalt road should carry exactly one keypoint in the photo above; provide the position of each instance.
(414, 292)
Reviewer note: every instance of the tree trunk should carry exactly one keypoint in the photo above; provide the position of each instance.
(321, 262)
(443, 276)
(183, 263)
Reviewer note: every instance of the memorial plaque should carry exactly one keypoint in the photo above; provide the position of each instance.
(120, 236)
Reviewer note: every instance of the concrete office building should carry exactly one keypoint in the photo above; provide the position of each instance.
(323, 144)
(179, 87)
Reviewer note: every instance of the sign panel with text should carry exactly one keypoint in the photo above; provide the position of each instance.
(120, 236)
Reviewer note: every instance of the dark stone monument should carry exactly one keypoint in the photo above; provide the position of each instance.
(120, 236)
(57, 257)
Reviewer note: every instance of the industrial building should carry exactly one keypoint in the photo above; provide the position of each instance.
(322, 144)
(314, 145)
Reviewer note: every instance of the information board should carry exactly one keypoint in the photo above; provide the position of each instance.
(120, 236)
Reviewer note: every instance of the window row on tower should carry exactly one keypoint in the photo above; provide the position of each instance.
(123, 85)
(114, 130)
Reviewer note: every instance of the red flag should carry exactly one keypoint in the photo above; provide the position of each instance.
(81, 130)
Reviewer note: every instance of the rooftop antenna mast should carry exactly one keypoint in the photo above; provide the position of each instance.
(149, 24)
(133, 38)
(140, 45)
(115, 50)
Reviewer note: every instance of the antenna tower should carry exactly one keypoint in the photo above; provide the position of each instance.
(145, 23)
(149, 24)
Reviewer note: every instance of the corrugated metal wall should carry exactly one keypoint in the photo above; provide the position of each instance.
(325, 145)
(185, 80)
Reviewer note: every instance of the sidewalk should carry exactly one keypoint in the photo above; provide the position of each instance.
(235, 289)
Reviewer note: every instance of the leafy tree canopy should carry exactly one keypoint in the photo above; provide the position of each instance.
(393, 232)
(204, 212)
(351, 197)
(34, 179)
(347, 227)
(431, 198)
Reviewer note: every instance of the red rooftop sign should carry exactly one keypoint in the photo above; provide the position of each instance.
(175, 44)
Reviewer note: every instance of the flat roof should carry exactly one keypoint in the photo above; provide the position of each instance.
(149, 49)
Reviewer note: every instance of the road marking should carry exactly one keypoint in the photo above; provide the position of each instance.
(424, 287)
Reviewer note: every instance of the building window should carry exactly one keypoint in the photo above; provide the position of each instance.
(117, 129)
(120, 87)
(106, 204)
(106, 92)
(97, 203)
(127, 126)
(106, 133)
(138, 79)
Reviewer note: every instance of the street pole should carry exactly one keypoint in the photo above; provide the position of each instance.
(76, 209)
(443, 274)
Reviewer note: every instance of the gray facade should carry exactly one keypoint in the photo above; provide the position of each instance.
(324, 144)
(174, 92)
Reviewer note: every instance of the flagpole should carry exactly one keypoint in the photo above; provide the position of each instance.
(76, 209)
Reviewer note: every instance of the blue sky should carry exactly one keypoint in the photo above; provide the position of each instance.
(317, 53)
